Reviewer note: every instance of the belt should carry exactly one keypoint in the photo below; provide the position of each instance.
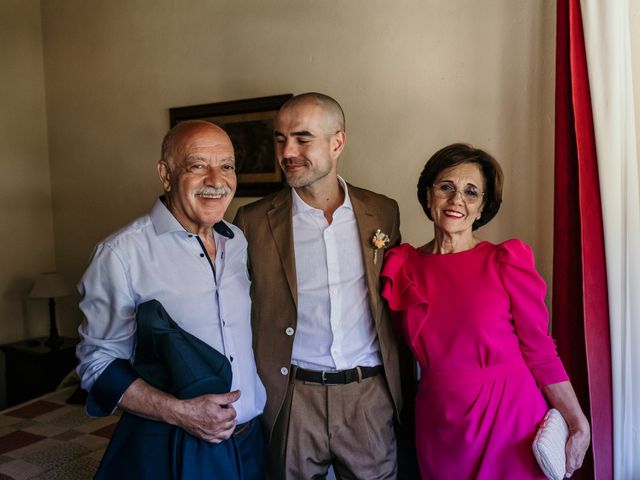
(242, 427)
(341, 377)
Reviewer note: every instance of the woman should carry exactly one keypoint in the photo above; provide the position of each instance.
(474, 315)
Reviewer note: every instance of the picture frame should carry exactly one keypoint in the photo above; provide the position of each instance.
(250, 124)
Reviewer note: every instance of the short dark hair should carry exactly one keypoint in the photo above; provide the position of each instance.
(457, 154)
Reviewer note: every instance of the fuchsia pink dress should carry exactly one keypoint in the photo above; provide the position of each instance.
(477, 324)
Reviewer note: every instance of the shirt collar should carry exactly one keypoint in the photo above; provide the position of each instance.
(163, 221)
(300, 206)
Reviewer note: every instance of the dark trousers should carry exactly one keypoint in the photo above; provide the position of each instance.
(252, 449)
(149, 450)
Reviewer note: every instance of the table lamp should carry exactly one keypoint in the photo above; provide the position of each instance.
(51, 285)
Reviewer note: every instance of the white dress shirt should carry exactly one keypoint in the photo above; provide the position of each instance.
(335, 330)
(156, 258)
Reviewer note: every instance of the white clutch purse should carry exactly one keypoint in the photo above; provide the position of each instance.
(549, 445)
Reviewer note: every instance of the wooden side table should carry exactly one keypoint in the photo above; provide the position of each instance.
(34, 368)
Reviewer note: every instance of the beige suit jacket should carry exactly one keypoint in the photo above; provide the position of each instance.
(267, 224)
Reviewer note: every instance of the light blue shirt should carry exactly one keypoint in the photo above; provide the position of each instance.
(154, 257)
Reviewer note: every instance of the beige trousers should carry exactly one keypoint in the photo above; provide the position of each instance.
(347, 426)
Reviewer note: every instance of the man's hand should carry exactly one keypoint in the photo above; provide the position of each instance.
(210, 417)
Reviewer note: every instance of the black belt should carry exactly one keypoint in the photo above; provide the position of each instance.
(341, 377)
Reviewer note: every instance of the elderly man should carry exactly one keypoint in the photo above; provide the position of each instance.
(186, 257)
(323, 343)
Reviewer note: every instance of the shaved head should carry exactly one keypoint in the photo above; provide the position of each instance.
(332, 109)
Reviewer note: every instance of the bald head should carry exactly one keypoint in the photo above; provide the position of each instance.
(173, 140)
(334, 116)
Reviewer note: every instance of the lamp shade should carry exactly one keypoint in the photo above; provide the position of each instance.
(50, 285)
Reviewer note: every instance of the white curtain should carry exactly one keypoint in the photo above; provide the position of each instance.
(608, 46)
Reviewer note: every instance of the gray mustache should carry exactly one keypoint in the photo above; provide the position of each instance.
(211, 191)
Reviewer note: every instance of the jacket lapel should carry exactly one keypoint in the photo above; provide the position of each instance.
(280, 223)
(367, 225)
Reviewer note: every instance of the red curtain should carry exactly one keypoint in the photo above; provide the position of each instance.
(580, 305)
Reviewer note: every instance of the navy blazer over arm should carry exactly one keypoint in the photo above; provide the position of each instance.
(176, 362)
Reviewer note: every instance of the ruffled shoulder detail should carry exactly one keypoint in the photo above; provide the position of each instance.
(398, 288)
(408, 307)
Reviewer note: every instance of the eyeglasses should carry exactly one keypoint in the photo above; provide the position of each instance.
(445, 190)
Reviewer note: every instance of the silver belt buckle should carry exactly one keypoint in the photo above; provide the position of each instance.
(324, 379)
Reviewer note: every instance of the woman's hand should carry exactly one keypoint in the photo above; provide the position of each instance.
(562, 397)
(577, 445)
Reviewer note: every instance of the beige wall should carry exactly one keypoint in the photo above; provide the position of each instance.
(26, 224)
(411, 75)
(634, 22)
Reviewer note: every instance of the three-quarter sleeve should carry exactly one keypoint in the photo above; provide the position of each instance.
(527, 290)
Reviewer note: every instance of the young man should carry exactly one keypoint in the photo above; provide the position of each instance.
(323, 343)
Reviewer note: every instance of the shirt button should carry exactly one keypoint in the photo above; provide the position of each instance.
(202, 254)
(231, 358)
(284, 371)
(190, 236)
(289, 331)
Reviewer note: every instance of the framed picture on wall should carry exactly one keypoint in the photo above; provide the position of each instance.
(250, 125)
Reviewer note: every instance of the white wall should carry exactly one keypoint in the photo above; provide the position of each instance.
(412, 76)
(26, 221)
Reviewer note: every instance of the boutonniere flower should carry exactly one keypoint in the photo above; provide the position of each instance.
(379, 241)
